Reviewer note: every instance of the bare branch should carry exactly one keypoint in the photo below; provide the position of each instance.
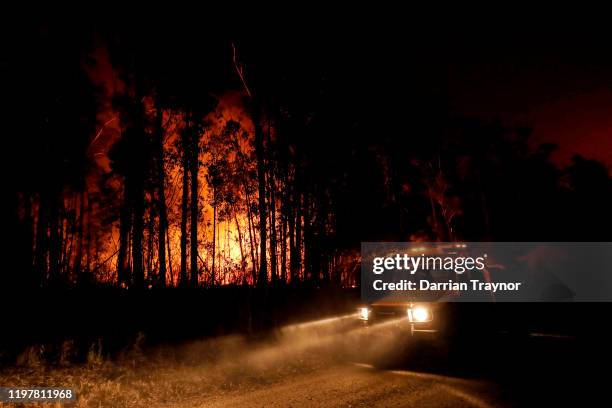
(240, 70)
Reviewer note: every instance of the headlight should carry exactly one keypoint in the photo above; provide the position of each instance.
(364, 313)
(419, 314)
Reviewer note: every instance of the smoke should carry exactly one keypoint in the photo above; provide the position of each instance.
(296, 348)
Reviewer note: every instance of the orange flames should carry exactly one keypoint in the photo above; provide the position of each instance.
(228, 240)
(228, 221)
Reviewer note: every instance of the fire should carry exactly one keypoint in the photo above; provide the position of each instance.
(94, 245)
(228, 227)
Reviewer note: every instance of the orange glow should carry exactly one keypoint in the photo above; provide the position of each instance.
(228, 241)
(227, 231)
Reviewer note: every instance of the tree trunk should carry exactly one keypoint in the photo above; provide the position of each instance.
(137, 236)
(323, 251)
(254, 257)
(194, 166)
(89, 237)
(136, 197)
(184, 208)
(171, 270)
(298, 237)
(283, 246)
(78, 259)
(242, 257)
(273, 265)
(161, 199)
(214, 237)
(261, 181)
(308, 271)
(125, 225)
(272, 204)
(292, 250)
(150, 235)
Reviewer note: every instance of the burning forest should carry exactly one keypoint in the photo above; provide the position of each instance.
(167, 184)
(168, 158)
(176, 206)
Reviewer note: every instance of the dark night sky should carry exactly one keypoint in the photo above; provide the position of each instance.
(558, 83)
(556, 80)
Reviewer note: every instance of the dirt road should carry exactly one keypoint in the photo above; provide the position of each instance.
(360, 386)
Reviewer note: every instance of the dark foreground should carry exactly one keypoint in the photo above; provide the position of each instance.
(333, 362)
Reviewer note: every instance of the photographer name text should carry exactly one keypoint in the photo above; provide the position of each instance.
(423, 284)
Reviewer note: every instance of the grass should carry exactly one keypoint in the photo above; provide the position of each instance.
(189, 374)
(178, 375)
